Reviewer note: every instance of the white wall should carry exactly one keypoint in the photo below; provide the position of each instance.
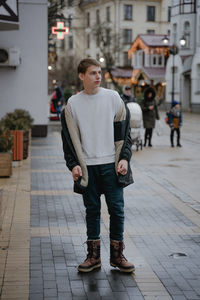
(26, 86)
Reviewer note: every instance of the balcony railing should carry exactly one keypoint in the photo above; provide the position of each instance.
(9, 17)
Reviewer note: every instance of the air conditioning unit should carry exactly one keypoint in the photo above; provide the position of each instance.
(9, 57)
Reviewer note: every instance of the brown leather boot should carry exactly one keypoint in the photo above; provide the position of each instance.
(117, 258)
(93, 260)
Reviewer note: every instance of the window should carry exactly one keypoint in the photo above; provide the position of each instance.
(198, 79)
(127, 34)
(97, 17)
(150, 31)
(199, 28)
(187, 33)
(169, 13)
(88, 19)
(160, 60)
(71, 42)
(88, 41)
(97, 40)
(108, 37)
(168, 32)
(126, 60)
(127, 12)
(139, 59)
(97, 56)
(174, 33)
(108, 14)
(157, 60)
(151, 11)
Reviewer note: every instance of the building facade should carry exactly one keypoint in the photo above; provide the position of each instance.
(23, 74)
(184, 66)
(119, 23)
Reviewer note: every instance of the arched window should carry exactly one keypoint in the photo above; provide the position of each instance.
(174, 37)
(187, 33)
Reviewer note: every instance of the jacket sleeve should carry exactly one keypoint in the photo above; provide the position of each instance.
(170, 117)
(68, 148)
(68, 155)
(144, 107)
(126, 152)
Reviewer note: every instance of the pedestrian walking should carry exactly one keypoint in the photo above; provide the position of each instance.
(150, 114)
(58, 99)
(175, 122)
(97, 150)
(127, 96)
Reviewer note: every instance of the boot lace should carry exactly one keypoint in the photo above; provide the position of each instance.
(121, 255)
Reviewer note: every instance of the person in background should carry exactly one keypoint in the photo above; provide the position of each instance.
(97, 149)
(175, 122)
(127, 95)
(150, 114)
(59, 99)
(139, 95)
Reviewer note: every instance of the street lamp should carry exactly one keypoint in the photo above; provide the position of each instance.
(182, 41)
(173, 49)
(165, 40)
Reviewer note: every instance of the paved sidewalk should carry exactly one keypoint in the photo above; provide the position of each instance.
(162, 234)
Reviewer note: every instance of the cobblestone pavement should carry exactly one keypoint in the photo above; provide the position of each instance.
(162, 229)
(42, 226)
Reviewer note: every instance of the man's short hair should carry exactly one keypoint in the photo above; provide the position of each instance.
(86, 63)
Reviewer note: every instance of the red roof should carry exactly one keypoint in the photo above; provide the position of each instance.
(154, 72)
(122, 72)
(153, 40)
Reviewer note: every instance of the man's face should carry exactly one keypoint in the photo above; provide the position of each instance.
(127, 92)
(92, 77)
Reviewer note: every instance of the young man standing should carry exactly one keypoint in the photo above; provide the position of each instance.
(97, 150)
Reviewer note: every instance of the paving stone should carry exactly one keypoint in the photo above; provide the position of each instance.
(50, 292)
(64, 296)
(36, 296)
(156, 227)
(49, 284)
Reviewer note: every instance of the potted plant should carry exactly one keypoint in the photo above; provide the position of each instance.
(6, 143)
(19, 122)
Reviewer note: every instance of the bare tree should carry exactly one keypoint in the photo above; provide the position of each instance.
(110, 47)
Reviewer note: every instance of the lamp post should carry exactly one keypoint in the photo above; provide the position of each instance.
(173, 50)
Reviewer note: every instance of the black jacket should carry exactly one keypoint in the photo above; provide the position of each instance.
(121, 136)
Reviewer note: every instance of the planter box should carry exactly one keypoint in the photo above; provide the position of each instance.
(26, 143)
(5, 164)
(17, 144)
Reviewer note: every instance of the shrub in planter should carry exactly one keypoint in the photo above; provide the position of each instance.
(18, 120)
(6, 143)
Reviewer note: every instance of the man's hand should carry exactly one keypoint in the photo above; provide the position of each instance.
(151, 107)
(76, 173)
(122, 167)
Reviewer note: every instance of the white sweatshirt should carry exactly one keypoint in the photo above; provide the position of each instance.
(94, 115)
